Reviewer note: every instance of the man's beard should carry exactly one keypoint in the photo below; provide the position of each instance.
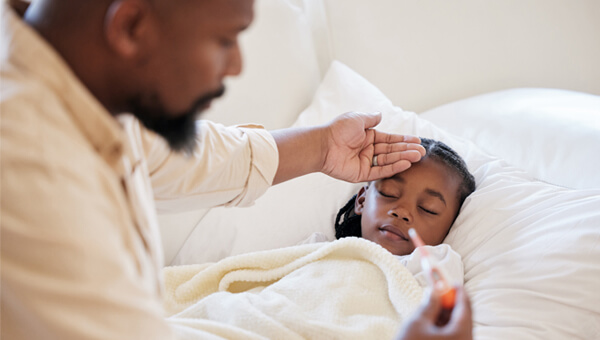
(178, 130)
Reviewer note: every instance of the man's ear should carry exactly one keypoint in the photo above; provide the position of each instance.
(359, 202)
(19, 6)
(128, 26)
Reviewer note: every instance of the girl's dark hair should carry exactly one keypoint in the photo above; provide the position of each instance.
(347, 223)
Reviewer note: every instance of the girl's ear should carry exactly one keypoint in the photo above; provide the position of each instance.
(129, 27)
(359, 202)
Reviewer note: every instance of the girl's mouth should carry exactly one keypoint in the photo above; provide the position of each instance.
(395, 232)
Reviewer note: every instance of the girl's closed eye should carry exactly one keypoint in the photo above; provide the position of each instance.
(428, 211)
(388, 190)
(386, 194)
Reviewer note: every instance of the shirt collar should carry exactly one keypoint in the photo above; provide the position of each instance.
(24, 49)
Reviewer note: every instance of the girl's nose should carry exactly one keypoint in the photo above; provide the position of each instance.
(401, 213)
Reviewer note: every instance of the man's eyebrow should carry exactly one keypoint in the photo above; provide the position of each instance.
(245, 23)
(437, 194)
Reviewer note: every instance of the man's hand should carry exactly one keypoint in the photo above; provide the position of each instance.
(422, 324)
(351, 143)
(344, 149)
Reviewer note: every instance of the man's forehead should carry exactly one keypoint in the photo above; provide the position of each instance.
(234, 15)
(213, 8)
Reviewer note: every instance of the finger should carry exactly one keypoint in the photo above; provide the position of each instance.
(370, 120)
(384, 159)
(412, 139)
(461, 316)
(384, 137)
(432, 306)
(383, 148)
(385, 171)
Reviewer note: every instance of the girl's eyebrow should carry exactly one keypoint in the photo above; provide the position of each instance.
(397, 177)
(429, 191)
(437, 194)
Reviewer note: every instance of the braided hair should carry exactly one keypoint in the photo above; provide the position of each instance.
(347, 222)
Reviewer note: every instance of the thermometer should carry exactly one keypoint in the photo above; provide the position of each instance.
(435, 273)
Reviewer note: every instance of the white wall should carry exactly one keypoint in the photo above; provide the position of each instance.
(423, 53)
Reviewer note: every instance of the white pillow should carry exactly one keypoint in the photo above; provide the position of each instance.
(553, 134)
(531, 250)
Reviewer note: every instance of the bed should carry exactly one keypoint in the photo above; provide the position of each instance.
(522, 108)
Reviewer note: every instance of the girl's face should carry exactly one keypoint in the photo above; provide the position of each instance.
(424, 197)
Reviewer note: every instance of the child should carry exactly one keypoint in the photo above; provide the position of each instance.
(426, 197)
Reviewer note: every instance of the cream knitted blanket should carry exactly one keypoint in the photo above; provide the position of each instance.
(347, 289)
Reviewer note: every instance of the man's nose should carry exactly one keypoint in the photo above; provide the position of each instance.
(234, 62)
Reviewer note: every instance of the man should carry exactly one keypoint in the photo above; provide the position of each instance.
(81, 252)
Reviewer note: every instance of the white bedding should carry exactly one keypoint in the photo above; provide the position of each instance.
(530, 248)
(552, 134)
(346, 289)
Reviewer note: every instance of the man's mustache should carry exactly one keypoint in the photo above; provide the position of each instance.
(207, 98)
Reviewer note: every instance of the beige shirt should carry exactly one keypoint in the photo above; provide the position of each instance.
(80, 243)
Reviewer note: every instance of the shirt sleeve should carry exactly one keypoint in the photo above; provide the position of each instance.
(230, 166)
(449, 260)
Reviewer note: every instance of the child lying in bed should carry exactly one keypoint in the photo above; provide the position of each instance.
(426, 197)
(315, 292)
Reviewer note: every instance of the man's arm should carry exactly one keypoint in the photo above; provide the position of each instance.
(230, 166)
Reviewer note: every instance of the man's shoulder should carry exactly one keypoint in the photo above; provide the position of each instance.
(39, 140)
(34, 118)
